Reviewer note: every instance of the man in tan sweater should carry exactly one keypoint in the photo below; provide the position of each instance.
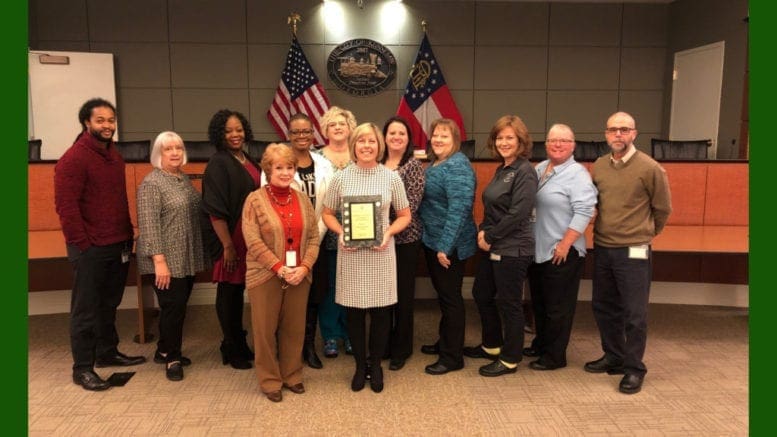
(634, 205)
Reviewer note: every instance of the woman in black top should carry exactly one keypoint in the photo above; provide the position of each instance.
(506, 235)
(231, 174)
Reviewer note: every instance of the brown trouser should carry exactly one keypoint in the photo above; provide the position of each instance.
(282, 312)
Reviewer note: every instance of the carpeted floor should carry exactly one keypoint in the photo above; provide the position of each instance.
(697, 384)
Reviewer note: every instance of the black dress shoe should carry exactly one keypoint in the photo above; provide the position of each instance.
(90, 381)
(310, 357)
(159, 358)
(631, 384)
(396, 364)
(430, 349)
(119, 360)
(497, 368)
(539, 365)
(174, 371)
(478, 352)
(440, 369)
(604, 364)
(530, 352)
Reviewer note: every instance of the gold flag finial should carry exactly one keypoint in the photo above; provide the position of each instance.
(292, 20)
(424, 23)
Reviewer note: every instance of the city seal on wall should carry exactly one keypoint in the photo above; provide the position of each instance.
(361, 67)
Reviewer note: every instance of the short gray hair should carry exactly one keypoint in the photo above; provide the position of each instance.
(166, 137)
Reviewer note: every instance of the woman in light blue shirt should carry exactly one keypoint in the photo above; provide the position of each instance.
(565, 203)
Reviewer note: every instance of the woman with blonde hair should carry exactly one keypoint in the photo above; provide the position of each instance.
(366, 276)
(337, 124)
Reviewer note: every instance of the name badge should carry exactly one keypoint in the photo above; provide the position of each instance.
(125, 255)
(494, 257)
(638, 252)
(291, 258)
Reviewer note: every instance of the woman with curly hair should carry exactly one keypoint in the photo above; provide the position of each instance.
(230, 176)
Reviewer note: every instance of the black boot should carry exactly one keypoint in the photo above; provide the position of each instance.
(357, 383)
(376, 376)
(230, 355)
(309, 355)
(242, 346)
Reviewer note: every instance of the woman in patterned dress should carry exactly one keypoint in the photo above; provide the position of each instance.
(170, 244)
(366, 276)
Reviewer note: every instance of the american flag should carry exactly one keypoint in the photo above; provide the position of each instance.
(298, 91)
(427, 97)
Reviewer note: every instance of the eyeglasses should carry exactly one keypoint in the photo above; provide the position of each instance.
(301, 132)
(559, 141)
(622, 130)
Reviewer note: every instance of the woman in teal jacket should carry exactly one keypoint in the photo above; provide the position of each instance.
(449, 238)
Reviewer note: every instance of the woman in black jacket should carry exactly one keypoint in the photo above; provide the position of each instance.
(230, 176)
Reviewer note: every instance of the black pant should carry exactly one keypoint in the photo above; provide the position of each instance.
(498, 292)
(621, 290)
(401, 346)
(554, 291)
(447, 283)
(318, 290)
(99, 277)
(172, 305)
(229, 309)
(380, 327)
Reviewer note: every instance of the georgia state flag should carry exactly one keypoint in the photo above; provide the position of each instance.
(427, 97)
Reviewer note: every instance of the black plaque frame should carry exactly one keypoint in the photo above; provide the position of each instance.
(349, 203)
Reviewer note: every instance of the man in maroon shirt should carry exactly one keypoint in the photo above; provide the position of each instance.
(91, 199)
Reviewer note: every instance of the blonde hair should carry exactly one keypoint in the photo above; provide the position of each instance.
(360, 131)
(163, 139)
(333, 112)
(277, 152)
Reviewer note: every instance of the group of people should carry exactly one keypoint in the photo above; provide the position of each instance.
(278, 231)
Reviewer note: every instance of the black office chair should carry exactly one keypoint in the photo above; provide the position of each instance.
(134, 151)
(467, 148)
(33, 147)
(199, 151)
(590, 150)
(680, 149)
(538, 152)
(256, 148)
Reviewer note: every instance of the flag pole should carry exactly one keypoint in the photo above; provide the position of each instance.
(424, 23)
(292, 20)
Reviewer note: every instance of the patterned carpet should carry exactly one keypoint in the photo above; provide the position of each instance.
(692, 387)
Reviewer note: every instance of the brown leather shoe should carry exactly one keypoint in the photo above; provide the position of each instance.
(297, 388)
(275, 396)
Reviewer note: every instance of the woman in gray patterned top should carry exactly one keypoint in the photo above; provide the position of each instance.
(170, 244)
(366, 276)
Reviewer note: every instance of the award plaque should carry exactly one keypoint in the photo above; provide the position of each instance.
(361, 220)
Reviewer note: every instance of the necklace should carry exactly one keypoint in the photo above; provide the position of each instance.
(275, 199)
(241, 159)
(285, 214)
